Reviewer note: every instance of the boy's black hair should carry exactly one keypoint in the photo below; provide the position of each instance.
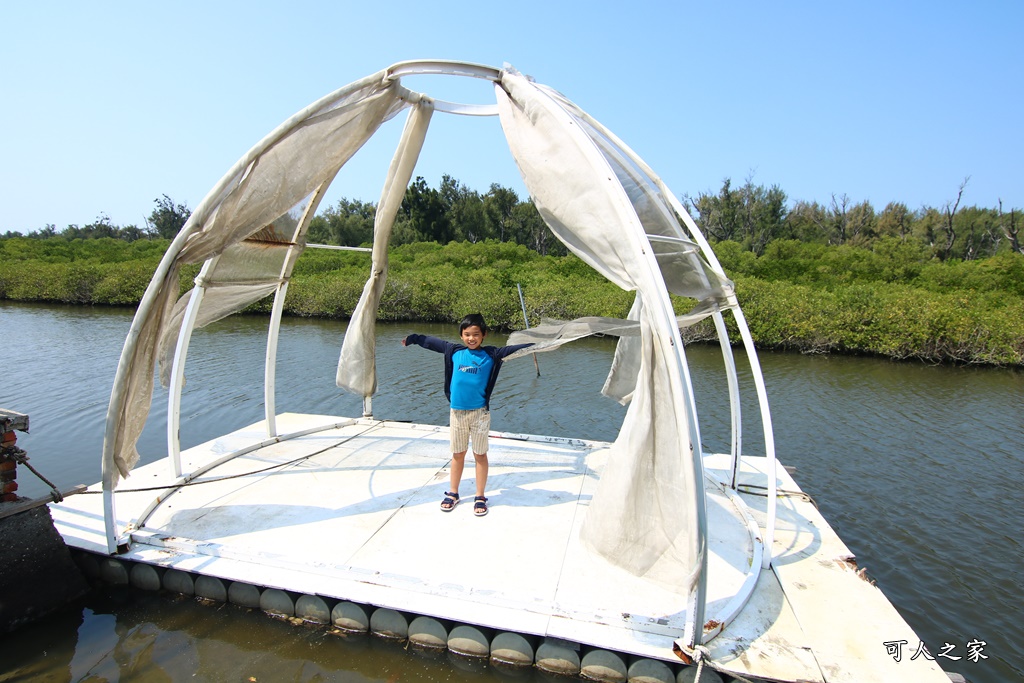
(471, 320)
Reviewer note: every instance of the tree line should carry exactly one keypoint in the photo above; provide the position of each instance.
(452, 212)
(939, 284)
(751, 215)
(755, 216)
(163, 222)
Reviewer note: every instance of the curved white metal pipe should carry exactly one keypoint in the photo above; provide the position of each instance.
(736, 448)
(769, 434)
(270, 370)
(119, 392)
(748, 342)
(153, 291)
(109, 517)
(465, 109)
(274, 330)
(442, 67)
(665, 316)
(667, 335)
(177, 382)
(725, 616)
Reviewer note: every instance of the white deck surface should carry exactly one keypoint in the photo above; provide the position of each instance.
(813, 617)
(355, 516)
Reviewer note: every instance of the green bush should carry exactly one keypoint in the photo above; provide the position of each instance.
(323, 295)
(122, 284)
(891, 300)
(895, 321)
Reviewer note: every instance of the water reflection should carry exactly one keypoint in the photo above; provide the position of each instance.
(123, 634)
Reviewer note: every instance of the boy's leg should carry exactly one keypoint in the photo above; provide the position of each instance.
(459, 429)
(481, 472)
(479, 435)
(458, 464)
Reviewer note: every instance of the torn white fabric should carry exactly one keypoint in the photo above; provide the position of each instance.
(624, 372)
(357, 364)
(644, 515)
(243, 274)
(291, 163)
(551, 334)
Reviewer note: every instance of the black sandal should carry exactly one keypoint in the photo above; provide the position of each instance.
(450, 501)
(479, 506)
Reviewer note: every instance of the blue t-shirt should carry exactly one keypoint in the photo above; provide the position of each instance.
(470, 373)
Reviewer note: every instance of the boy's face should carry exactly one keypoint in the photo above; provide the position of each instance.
(473, 337)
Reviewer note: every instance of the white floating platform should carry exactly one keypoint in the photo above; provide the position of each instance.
(351, 512)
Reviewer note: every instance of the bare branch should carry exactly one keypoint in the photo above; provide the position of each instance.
(950, 232)
(1010, 228)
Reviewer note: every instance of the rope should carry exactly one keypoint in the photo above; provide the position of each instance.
(196, 482)
(755, 490)
(21, 458)
(701, 654)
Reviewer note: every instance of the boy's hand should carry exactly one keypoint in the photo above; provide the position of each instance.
(403, 341)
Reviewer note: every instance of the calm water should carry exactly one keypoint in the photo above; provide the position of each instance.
(916, 467)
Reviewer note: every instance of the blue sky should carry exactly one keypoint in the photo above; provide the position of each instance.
(109, 105)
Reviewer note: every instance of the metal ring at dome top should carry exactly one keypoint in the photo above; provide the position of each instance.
(442, 67)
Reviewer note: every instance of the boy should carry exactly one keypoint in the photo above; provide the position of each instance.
(470, 370)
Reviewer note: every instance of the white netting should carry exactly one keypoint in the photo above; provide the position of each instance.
(684, 270)
(644, 514)
(278, 174)
(242, 274)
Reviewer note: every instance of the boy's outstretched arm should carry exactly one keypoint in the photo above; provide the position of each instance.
(427, 342)
(509, 350)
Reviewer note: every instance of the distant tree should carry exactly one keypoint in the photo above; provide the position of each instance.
(844, 222)
(718, 215)
(837, 220)
(862, 224)
(764, 215)
(948, 226)
(499, 202)
(43, 233)
(534, 232)
(319, 231)
(980, 233)
(1011, 227)
(465, 210)
(895, 221)
(423, 213)
(806, 222)
(927, 228)
(751, 214)
(101, 227)
(348, 223)
(168, 218)
(130, 233)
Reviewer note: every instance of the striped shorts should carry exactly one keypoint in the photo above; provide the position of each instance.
(467, 425)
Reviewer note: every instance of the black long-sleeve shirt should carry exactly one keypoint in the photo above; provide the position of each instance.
(449, 349)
